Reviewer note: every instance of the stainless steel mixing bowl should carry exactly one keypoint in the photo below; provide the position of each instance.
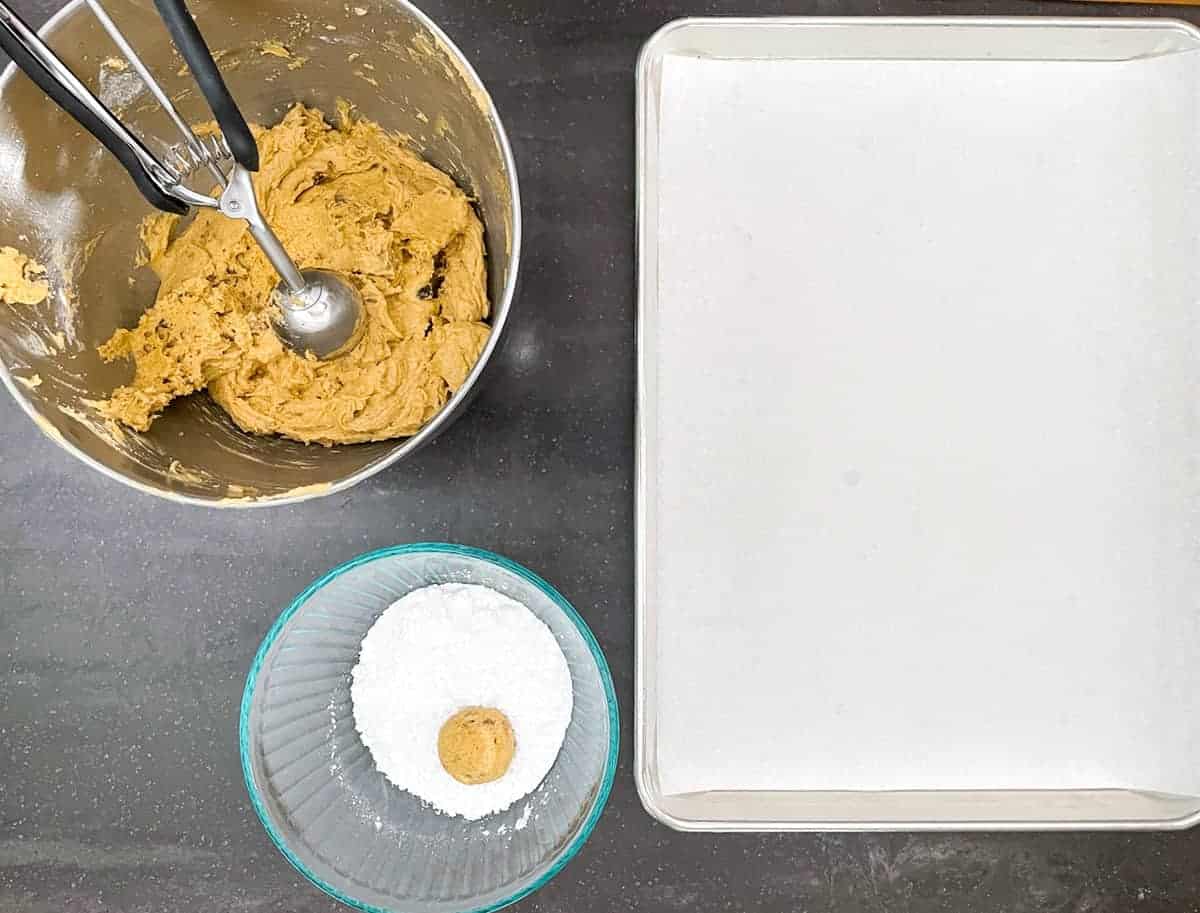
(66, 202)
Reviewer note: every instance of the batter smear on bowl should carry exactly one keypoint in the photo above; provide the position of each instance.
(22, 279)
(350, 198)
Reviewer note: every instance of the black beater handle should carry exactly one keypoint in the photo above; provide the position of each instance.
(191, 44)
(56, 79)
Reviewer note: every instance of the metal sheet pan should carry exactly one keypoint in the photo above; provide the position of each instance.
(916, 485)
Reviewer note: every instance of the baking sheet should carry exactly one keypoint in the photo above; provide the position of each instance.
(918, 434)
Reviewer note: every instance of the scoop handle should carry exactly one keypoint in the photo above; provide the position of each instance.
(186, 35)
(64, 88)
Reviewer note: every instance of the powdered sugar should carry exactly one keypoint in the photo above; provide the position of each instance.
(440, 649)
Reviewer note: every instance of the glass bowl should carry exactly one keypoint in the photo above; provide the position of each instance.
(337, 819)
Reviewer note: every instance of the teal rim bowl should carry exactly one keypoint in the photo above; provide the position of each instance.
(336, 819)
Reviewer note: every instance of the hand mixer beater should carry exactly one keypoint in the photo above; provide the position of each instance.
(314, 312)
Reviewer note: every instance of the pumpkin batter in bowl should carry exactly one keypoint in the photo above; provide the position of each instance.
(350, 198)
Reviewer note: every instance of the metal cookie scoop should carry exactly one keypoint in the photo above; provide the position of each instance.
(313, 311)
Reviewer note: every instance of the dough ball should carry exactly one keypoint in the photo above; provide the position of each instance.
(476, 745)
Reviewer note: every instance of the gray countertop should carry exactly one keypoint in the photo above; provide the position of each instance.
(127, 623)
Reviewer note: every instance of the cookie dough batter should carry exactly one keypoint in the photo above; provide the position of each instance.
(349, 198)
(476, 745)
(22, 279)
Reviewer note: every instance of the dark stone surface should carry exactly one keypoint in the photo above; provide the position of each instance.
(127, 623)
